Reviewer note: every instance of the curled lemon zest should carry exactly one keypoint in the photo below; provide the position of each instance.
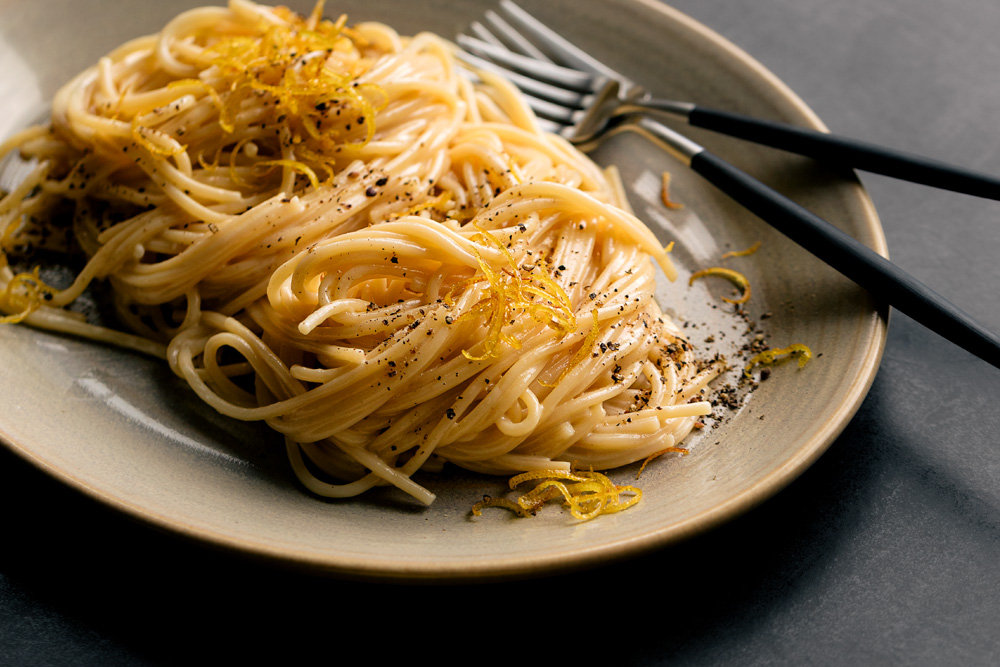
(328, 115)
(742, 253)
(317, 15)
(586, 494)
(512, 291)
(214, 164)
(655, 455)
(233, 156)
(581, 354)
(25, 293)
(734, 277)
(769, 357)
(506, 503)
(294, 165)
(665, 193)
(530, 475)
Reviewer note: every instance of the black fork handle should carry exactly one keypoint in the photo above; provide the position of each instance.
(833, 149)
(853, 259)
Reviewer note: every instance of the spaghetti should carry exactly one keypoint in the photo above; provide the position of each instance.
(338, 231)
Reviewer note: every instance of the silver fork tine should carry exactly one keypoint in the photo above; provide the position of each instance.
(512, 38)
(533, 88)
(603, 117)
(479, 31)
(527, 65)
(561, 50)
(587, 109)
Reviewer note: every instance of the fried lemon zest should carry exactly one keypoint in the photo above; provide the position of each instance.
(25, 293)
(742, 253)
(586, 494)
(294, 165)
(734, 277)
(665, 193)
(655, 455)
(581, 354)
(512, 292)
(770, 357)
(325, 114)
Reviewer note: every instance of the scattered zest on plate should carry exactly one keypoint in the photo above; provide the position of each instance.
(742, 253)
(587, 494)
(683, 451)
(665, 193)
(771, 357)
(734, 277)
(346, 233)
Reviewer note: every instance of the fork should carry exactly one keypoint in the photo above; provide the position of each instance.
(581, 96)
(587, 102)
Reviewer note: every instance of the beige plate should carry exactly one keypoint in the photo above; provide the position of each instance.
(122, 429)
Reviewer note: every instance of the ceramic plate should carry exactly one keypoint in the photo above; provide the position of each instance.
(121, 428)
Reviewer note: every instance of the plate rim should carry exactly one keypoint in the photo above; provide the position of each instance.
(874, 327)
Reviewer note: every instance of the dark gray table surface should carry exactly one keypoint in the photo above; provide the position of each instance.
(885, 552)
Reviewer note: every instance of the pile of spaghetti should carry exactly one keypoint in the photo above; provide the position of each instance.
(338, 231)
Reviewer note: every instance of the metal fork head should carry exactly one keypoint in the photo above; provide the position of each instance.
(573, 104)
(574, 95)
(520, 27)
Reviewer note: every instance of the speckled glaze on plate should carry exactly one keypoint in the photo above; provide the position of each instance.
(122, 429)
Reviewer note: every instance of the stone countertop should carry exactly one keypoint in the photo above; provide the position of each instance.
(885, 552)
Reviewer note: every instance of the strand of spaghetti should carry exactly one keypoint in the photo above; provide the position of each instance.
(338, 233)
(394, 476)
(57, 321)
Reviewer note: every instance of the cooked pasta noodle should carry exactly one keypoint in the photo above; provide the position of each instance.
(338, 231)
